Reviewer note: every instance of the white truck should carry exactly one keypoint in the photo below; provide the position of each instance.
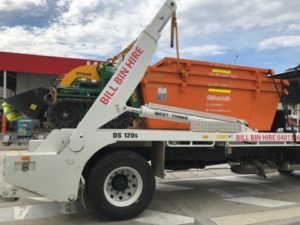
(110, 169)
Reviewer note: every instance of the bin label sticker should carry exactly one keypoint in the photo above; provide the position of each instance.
(161, 94)
(221, 71)
(219, 90)
(33, 106)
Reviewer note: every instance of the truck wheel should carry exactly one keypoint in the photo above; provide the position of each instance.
(285, 171)
(63, 114)
(121, 185)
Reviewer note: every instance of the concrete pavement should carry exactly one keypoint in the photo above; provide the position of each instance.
(214, 196)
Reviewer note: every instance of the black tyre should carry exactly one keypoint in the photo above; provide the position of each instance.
(63, 114)
(285, 168)
(285, 171)
(120, 186)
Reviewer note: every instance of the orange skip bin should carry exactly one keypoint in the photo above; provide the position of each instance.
(238, 91)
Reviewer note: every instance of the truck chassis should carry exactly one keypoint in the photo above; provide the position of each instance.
(119, 180)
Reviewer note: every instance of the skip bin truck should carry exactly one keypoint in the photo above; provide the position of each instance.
(109, 169)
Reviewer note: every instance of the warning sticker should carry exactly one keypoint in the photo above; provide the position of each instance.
(222, 71)
(219, 90)
(161, 94)
(33, 106)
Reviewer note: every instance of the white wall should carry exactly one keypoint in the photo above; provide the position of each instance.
(26, 82)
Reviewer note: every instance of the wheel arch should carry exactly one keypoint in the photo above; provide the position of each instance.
(101, 153)
(154, 153)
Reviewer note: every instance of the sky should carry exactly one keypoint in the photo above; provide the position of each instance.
(260, 33)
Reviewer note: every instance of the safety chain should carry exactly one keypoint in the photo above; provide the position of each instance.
(174, 33)
(173, 28)
(122, 54)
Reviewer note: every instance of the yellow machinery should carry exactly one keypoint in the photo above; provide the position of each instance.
(88, 72)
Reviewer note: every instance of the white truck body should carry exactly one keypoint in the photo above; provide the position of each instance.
(56, 165)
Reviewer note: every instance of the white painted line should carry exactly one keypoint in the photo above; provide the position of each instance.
(182, 179)
(261, 201)
(169, 187)
(257, 217)
(49, 210)
(159, 218)
(250, 190)
(241, 179)
(220, 192)
(220, 166)
(36, 211)
(21, 212)
(41, 199)
(211, 178)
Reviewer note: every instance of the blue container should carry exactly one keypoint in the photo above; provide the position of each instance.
(24, 128)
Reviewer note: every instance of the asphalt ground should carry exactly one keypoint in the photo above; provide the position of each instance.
(214, 196)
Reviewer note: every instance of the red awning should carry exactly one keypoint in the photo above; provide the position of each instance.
(37, 64)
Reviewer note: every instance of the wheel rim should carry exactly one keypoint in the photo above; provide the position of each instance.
(123, 186)
(65, 114)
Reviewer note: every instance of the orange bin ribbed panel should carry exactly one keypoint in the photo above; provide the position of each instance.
(237, 91)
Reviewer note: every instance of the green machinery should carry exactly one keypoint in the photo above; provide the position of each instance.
(64, 106)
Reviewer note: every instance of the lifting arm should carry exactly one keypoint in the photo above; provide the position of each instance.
(112, 100)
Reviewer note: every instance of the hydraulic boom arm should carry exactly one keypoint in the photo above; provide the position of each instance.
(53, 167)
(112, 100)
